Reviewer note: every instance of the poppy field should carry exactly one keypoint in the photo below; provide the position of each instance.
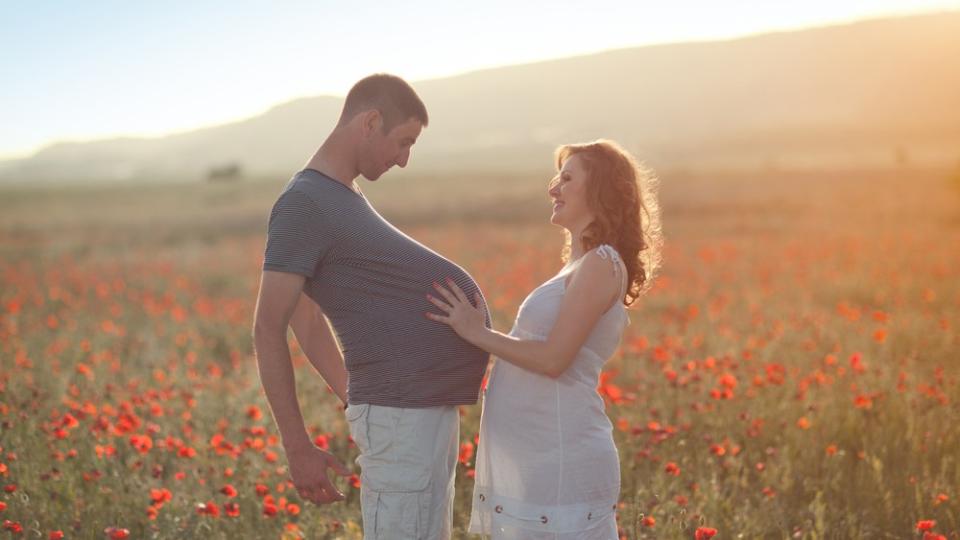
(792, 373)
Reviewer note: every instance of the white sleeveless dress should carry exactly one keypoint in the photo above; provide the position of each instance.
(547, 467)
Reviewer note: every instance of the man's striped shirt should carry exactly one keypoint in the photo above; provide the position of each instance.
(371, 280)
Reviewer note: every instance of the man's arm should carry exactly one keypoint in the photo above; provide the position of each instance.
(276, 302)
(317, 342)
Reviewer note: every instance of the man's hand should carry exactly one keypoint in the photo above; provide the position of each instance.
(308, 469)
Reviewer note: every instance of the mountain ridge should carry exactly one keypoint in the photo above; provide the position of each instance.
(871, 92)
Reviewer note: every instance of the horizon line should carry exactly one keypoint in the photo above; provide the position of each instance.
(12, 156)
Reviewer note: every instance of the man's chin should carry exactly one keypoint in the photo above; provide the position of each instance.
(373, 177)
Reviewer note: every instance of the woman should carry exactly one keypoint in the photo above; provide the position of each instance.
(547, 466)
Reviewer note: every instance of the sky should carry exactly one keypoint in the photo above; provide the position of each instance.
(74, 71)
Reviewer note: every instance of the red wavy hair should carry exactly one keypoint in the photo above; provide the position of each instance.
(621, 195)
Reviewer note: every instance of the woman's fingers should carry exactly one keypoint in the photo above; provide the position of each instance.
(437, 317)
(449, 296)
(439, 303)
(457, 291)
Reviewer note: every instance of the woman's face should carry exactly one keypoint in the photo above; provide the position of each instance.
(569, 193)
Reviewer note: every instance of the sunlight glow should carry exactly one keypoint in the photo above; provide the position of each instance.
(112, 68)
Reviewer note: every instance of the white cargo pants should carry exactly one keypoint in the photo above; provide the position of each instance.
(408, 459)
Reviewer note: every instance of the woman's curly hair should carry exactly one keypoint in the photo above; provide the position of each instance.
(621, 194)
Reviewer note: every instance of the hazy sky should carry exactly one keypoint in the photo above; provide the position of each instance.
(82, 70)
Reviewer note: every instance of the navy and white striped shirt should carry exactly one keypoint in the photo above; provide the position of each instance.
(371, 280)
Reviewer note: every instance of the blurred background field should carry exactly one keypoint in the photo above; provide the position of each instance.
(792, 374)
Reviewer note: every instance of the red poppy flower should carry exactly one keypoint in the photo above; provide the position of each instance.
(143, 443)
(208, 508)
(322, 442)
(702, 533)
(116, 533)
(160, 496)
(926, 524)
(728, 380)
(466, 452)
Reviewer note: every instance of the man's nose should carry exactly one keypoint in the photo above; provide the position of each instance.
(403, 159)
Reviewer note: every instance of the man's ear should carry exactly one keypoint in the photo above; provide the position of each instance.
(370, 122)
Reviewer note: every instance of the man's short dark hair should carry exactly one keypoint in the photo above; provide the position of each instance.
(392, 96)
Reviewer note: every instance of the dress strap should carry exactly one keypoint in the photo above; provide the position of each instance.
(607, 252)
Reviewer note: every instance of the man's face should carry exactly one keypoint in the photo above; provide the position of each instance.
(384, 150)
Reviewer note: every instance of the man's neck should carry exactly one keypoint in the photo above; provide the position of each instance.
(336, 160)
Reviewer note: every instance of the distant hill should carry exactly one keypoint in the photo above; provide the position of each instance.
(876, 92)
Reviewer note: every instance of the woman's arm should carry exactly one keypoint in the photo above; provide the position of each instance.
(590, 293)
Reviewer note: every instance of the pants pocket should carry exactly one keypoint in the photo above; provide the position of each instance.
(397, 451)
(395, 515)
(356, 423)
(396, 471)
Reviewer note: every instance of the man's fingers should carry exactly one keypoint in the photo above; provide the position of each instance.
(320, 495)
(340, 468)
(331, 491)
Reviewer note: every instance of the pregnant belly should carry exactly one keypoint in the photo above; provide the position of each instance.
(523, 409)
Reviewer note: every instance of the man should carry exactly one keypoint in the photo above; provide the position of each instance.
(331, 256)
